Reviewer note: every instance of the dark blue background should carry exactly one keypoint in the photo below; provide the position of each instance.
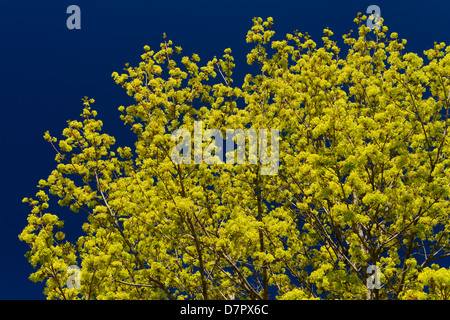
(47, 68)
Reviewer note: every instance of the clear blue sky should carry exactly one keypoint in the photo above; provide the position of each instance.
(47, 69)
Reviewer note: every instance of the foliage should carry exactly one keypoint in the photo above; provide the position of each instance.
(363, 178)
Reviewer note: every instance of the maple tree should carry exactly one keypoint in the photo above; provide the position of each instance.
(362, 178)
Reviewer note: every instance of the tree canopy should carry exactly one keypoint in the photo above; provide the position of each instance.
(362, 177)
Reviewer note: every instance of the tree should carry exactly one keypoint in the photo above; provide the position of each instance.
(362, 183)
